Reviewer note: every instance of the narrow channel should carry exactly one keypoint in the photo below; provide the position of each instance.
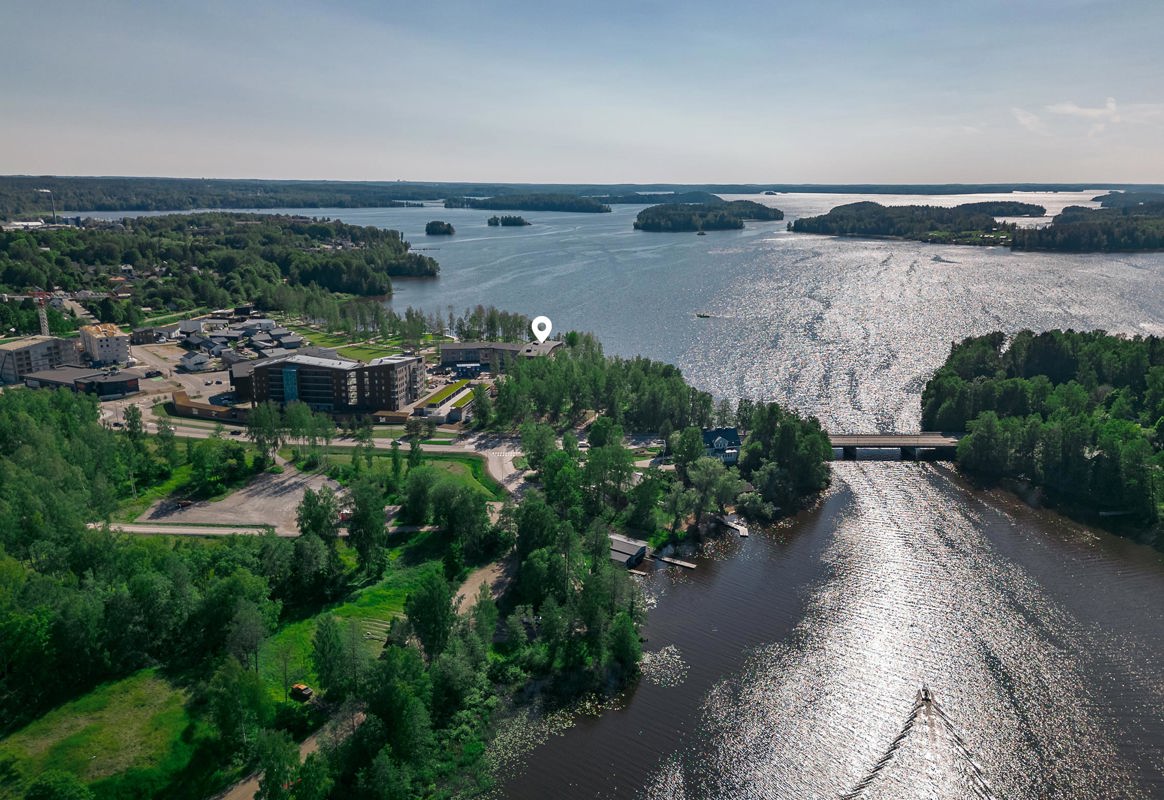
(791, 660)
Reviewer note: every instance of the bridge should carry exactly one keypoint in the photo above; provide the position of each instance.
(943, 445)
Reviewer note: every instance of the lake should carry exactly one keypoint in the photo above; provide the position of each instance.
(787, 664)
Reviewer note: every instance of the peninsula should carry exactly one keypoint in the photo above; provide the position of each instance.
(969, 223)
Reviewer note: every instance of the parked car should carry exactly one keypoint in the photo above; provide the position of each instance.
(301, 692)
(219, 382)
(236, 432)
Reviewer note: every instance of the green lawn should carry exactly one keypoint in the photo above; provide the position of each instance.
(318, 338)
(172, 317)
(470, 470)
(136, 732)
(372, 609)
(367, 352)
(136, 728)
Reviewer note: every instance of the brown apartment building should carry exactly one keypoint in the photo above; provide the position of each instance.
(336, 385)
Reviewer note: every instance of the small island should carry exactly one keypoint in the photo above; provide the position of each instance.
(531, 202)
(507, 221)
(969, 223)
(687, 217)
(439, 228)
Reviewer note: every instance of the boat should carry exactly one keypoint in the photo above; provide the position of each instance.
(702, 315)
(702, 233)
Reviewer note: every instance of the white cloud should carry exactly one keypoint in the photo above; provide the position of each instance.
(1031, 121)
(1105, 113)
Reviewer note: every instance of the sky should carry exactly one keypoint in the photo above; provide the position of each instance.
(816, 91)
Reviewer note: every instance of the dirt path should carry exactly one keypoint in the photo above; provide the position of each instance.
(248, 787)
(495, 575)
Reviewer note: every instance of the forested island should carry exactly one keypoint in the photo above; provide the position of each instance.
(969, 223)
(439, 228)
(530, 202)
(1125, 199)
(645, 198)
(1080, 415)
(682, 217)
(507, 221)
(184, 261)
(1134, 222)
(197, 642)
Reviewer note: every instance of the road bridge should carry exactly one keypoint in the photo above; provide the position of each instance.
(943, 445)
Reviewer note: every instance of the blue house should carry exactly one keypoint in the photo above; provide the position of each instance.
(722, 443)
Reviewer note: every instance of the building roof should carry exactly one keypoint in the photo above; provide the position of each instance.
(513, 347)
(27, 341)
(540, 348)
(375, 362)
(730, 435)
(102, 329)
(314, 361)
(64, 374)
(242, 369)
(322, 352)
(112, 377)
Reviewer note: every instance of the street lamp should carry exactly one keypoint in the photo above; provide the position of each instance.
(53, 200)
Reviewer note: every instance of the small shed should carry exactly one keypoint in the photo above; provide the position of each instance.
(626, 551)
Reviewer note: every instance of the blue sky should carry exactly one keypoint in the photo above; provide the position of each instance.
(817, 91)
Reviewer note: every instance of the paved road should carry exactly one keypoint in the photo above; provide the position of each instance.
(159, 529)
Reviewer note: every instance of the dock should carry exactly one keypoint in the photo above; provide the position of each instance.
(673, 561)
(733, 522)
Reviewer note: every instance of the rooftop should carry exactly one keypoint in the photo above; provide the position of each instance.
(511, 346)
(64, 374)
(27, 341)
(540, 348)
(729, 435)
(102, 329)
(375, 362)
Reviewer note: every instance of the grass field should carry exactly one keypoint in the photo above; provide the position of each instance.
(137, 726)
(470, 470)
(318, 338)
(371, 609)
(367, 352)
(170, 318)
(134, 737)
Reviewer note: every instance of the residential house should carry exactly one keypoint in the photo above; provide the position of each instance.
(722, 443)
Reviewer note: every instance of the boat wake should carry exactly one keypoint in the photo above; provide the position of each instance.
(940, 734)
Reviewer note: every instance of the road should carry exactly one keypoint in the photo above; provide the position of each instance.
(248, 787)
(173, 529)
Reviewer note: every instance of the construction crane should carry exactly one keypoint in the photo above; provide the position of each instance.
(41, 299)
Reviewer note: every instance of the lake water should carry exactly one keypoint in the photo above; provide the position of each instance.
(787, 664)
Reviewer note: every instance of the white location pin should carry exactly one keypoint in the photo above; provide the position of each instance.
(541, 328)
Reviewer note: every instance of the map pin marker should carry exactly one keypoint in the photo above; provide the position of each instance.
(541, 328)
